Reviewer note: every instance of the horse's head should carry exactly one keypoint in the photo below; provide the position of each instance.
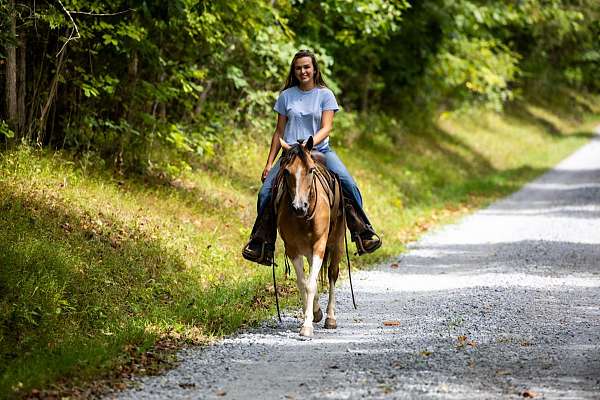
(298, 168)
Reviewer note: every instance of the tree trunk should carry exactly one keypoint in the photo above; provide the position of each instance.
(162, 107)
(132, 76)
(41, 137)
(22, 86)
(38, 67)
(132, 67)
(203, 97)
(365, 92)
(11, 72)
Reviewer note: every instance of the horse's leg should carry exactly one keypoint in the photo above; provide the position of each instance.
(298, 262)
(332, 273)
(311, 290)
(317, 312)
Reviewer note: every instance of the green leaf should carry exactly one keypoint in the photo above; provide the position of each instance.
(236, 76)
(5, 130)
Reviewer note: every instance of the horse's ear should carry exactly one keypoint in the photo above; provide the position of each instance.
(285, 146)
(309, 143)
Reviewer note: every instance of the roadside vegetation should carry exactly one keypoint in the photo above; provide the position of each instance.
(133, 135)
(98, 267)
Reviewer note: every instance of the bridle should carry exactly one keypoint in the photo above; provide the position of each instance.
(317, 176)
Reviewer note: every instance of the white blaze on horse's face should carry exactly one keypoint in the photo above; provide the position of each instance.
(299, 180)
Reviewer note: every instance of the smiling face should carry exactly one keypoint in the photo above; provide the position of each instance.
(304, 71)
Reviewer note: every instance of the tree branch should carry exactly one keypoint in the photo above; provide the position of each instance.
(102, 14)
(74, 30)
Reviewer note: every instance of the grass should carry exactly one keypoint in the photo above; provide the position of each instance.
(96, 268)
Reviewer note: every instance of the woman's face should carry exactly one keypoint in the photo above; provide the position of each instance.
(303, 70)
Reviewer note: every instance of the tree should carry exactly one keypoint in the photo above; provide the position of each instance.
(11, 69)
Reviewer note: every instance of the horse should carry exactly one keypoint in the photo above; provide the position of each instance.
(311, 223)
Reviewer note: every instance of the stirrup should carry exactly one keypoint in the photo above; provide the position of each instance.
(266, 256)
(360, 247)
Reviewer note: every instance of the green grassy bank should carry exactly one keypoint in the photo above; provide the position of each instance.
(96, 268)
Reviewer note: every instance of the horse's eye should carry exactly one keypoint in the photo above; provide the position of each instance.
(312, 170)
(286, 173)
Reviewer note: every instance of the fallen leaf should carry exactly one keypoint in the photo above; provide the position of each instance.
(529, 394)
(502, 372)
(394, 265)
(464, 341)
(187, 385)
(425, 353)
(391, 323)
(220, 393)
(386, 389)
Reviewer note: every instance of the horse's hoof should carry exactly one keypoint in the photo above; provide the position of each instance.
(306, 331)
(330, 323)
(317, 315)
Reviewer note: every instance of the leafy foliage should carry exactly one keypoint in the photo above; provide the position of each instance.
(151, 85)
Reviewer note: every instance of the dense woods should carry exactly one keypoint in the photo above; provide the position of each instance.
(157, 84)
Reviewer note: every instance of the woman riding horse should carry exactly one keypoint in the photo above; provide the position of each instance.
(305, 108)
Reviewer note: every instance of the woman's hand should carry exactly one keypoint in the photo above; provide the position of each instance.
(266, 172)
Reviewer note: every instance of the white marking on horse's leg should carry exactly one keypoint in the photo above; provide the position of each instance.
(317, 313)
(300, 280)
(311, 291)
(332, 275)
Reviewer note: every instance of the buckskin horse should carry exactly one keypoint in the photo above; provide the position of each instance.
(311, 222)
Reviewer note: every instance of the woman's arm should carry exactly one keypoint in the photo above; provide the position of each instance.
(275, 145)
(326, 126)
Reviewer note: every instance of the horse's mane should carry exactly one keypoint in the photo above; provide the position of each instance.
(296, 151)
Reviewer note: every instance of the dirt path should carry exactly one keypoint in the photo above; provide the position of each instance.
(504, 304)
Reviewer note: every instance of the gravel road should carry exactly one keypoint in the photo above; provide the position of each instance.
(504, 304)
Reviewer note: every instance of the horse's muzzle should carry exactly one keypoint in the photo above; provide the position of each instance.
(301, 211)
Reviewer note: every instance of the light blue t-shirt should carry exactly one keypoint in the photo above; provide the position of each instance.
(303, 110)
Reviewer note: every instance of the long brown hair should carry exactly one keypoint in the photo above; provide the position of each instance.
(291, 79)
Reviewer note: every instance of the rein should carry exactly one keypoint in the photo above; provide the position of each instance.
(348, 260)
(331, 196)
(313, 189)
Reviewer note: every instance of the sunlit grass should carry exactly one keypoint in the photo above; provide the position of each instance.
(92, 263)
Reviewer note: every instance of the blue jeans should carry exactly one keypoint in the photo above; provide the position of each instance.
(333, 162)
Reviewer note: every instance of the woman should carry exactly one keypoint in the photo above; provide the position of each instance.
(305, 108)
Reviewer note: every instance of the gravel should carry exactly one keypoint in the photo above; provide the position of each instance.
(504, 304)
